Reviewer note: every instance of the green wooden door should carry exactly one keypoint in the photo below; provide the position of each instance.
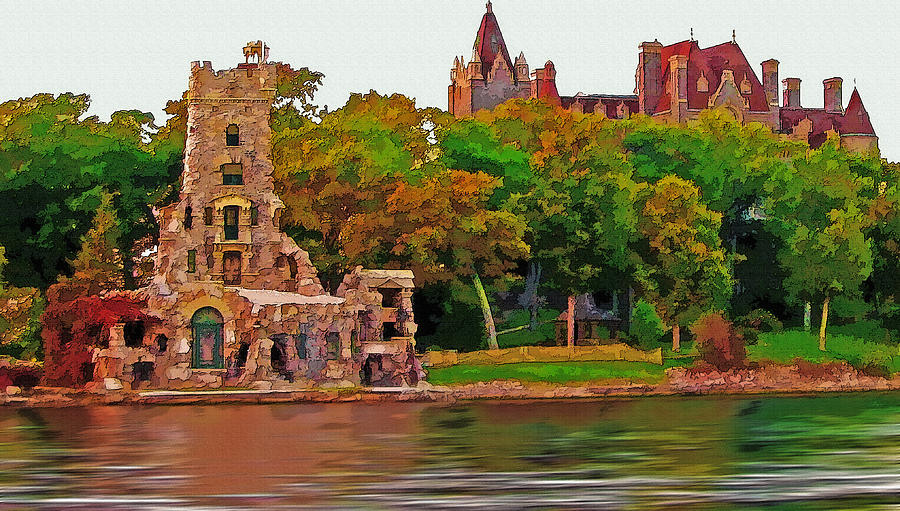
(207, 326)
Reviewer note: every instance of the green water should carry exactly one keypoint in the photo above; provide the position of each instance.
(823, 452)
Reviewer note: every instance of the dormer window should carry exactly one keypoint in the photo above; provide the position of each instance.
(232, 135)
(702, 83)
(232, 174)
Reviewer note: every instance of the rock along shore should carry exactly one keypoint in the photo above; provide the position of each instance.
(769, 379)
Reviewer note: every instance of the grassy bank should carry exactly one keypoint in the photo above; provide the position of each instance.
(558, 372)
(783, 347)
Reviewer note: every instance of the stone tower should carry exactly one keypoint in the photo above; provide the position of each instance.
(225, 227)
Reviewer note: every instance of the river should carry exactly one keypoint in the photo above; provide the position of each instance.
(838, 451)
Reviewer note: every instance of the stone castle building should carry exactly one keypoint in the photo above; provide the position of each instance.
(235, 301)
(673, 84)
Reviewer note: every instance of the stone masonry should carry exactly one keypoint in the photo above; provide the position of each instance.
(238, 302)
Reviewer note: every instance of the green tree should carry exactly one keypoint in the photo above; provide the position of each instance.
(822, 211)
(683, 269)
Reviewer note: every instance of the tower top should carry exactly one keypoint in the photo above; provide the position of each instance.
(256, 50)
(489, 7)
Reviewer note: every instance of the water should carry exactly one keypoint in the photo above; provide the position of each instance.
(798, 453)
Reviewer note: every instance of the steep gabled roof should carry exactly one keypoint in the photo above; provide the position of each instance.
(489, 41)
(853, 121)
(856, 119)
(710, 62)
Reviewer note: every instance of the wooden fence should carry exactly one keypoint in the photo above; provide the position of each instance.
(606, 352)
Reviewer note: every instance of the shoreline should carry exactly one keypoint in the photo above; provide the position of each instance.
(769, 380)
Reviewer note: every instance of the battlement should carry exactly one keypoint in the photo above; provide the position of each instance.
(248, 80)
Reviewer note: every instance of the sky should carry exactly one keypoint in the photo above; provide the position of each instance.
(136, 55)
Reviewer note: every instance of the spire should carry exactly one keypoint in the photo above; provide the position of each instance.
(692, 33)
(489, 40)
(733, 37)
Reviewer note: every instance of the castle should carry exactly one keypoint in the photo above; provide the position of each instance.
(234, 301)
(673, 84)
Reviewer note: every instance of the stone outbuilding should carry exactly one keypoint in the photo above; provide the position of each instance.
(234, 300)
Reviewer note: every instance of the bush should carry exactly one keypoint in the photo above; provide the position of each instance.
(870, 330)
(646, 326)
(755, 322)
(718, 342)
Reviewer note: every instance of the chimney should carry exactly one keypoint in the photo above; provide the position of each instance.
(648, 86)
(833, 100)
(791, 93)
(770, 81)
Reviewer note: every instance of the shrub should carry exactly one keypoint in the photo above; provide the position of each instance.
(718, 342)
(646, 326)
(757, 321)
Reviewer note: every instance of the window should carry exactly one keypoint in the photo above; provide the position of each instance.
(162, 343)
(231, 267)
(208, 331)
(192, 261)
(231, 222)
(390, 330)
(188, 217)
(232, 135)
(332, 345)
(207, 216)
(300, 343)
(142, 371)
(134, 334)
(390, 297)
(232, 174)
(254, 215)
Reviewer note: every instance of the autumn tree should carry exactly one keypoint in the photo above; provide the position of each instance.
(683, 269)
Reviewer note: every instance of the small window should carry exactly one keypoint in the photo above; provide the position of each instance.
(142, 371)
(232, 174)
(192, 261)
(390, 297)
(162, 343)
(300, 343)
(254, 215)
(207, 216)
(188, 217)
(232, 135)
(231, 222)
(389, 331)
(134, 334)
(332, 345)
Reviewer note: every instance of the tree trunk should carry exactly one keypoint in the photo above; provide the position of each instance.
(823, 323)
(488, 317)
(807, 314)
(676, 338)
(630, 308)
(570, 322)
(536, 267)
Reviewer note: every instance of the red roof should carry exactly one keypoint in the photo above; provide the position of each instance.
(710, 62)
(609, 103)
(489, 41)
(854, 120)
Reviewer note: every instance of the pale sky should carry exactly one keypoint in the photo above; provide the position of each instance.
(137, 54)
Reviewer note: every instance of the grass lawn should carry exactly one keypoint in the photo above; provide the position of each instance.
(549, 372)
(785, 346)
(518, 317)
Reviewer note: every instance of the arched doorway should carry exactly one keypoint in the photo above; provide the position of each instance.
(207, 326)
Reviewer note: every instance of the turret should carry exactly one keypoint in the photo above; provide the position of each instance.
(647, 84)
(770, 81)
(791, 93)
(833, 100)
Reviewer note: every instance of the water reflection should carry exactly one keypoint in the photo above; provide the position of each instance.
(840, 451)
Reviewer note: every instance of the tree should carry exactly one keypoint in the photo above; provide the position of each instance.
(55, 163)
(99, 262)
(822, 211)
(367, 186)
(682, 268)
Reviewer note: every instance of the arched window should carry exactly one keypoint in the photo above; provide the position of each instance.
(232, 135)
(207, 326)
